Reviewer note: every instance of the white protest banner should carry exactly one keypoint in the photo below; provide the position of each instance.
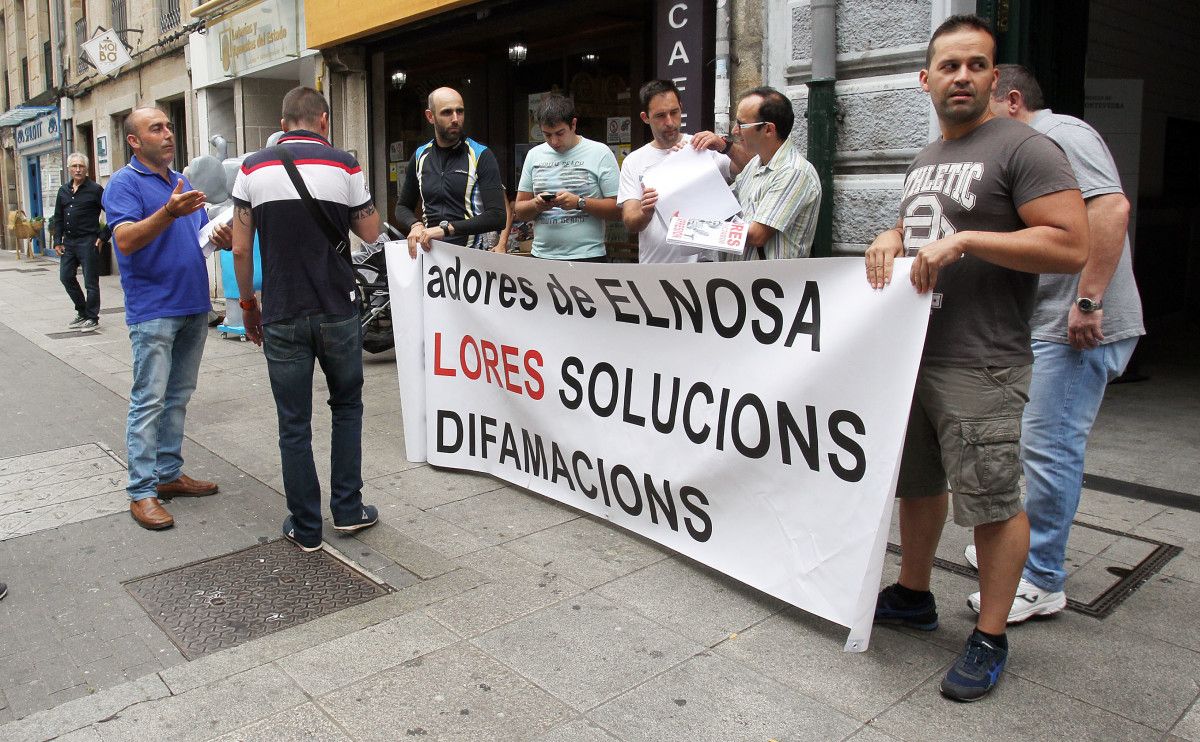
(748, 415)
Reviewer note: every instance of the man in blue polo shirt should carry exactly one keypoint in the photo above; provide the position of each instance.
(156, 217)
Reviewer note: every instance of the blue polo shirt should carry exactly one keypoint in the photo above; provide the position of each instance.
(168, 277)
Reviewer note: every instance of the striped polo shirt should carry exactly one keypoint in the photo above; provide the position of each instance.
(784, 194)
(302, 274)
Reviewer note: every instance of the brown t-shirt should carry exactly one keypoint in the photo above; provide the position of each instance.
(981, 311)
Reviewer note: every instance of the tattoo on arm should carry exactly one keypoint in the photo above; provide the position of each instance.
(362, 213)
(244, 214)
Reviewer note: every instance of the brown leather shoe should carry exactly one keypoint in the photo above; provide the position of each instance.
(185, 486)
(149, 513)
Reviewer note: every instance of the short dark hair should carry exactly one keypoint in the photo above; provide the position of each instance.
(775, 108)
(1018, 78)
(555, 109)
(957, 23)
(656, 87)
(303, 105)
(128, 126)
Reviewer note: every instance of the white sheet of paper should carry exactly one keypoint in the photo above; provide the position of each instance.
(690, 184)
(205, 237)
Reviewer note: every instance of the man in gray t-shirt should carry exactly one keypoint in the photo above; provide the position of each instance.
(984, 208)
(1085, 329)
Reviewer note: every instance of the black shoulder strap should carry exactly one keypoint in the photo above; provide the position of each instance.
(339, 241)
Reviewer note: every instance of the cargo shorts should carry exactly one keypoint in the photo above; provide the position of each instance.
(964, 430)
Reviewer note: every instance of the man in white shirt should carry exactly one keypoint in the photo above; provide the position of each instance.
(662, 112)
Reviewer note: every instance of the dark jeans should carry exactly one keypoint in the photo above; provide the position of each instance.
(291, 347)
(81, 252)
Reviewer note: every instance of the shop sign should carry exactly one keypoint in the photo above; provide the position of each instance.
(680, 52)
(261, 35)
(36, 132)
(107, 52)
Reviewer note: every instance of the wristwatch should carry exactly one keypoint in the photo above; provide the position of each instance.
(446, 228)
(1087, 305)
(582, 203)
(728, 143)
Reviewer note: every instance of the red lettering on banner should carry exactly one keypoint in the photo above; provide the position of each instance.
(483, 359)
(438, 369)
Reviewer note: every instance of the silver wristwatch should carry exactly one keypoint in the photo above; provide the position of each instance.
(582, 202)
(1087, 305)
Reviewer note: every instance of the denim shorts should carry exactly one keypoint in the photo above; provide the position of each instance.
(964, 431)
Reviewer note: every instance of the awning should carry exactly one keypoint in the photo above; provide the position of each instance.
(21, 114)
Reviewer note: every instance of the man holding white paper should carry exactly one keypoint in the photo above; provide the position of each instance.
(638, 197)
(777, 188)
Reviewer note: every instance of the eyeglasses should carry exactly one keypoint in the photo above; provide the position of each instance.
(740, 125)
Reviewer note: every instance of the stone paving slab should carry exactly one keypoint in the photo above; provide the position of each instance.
(710, 698)
(457, 694)
(804, 653)
(1018, 709)
(586, 650)
(304, 722)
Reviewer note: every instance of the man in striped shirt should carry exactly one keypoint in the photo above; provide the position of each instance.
(778, 189)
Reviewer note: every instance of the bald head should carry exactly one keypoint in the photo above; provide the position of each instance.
(447, 115)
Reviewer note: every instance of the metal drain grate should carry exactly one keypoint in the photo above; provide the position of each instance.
(221, 602)
(1115, 594)
(70, 334)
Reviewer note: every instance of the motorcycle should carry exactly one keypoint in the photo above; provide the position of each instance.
(374, 300)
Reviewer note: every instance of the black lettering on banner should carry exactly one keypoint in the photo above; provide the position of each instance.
(558, 296)
(560, 467)
(666, 504)
(789, 431)
(608, 287)
(508, 447)
(435, 288)
(855, 472)
(471, 285)
(651, 319)
(589, 491)
(535, 454)
(583, 300)
(485, 435)
(508, 287)
(666, 425)
(603, 410)
(703, 532)
(626, 414)
(767, 307)
(603, 480)
(681, 303)
(452, 279)
(758, 450)
(620, 470)
(810, 300)
(724, 330)
(722, 409)
(571, 363)
(701, 435)
(530, 301)
(444, 416)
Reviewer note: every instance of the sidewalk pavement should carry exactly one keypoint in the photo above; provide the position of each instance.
(513, 617)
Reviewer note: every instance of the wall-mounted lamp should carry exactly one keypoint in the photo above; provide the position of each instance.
(517, 53)
(590, 58)
(398, 79)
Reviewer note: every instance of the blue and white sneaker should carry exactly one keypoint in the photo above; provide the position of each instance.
(368, 518)
(305, 544)
(976, 671)
(890, 608)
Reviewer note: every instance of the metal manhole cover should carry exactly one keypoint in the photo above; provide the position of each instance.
(221, 602)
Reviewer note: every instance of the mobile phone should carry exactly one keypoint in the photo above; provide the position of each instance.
(546, 196)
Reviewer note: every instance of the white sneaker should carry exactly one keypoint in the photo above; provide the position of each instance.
(971, 557)
(1030, 601)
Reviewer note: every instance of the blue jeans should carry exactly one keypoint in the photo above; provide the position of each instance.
(80, 252)
(1064, 398)
(166, 363)
(291, 348)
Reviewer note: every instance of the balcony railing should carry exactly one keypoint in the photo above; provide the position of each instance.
(120, 20)
(168, 15)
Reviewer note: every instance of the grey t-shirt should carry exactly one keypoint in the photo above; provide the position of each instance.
(981, 311)
(1097, 175)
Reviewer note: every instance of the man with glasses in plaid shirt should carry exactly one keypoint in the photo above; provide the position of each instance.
(778, 189)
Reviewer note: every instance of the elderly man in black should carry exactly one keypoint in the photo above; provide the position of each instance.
(77, 239)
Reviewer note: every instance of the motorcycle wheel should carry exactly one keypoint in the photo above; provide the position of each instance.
(376, 334)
